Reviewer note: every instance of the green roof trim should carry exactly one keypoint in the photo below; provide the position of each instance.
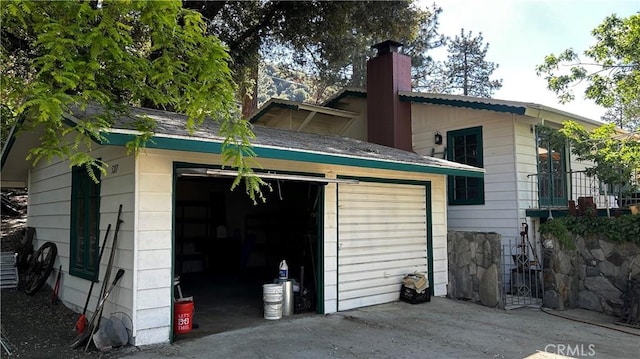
(332, 102)
(465, 104)
(190, 145)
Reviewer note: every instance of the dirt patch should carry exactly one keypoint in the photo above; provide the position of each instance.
(31, 326)
(35, 328)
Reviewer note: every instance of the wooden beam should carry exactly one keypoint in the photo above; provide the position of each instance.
(307, 120)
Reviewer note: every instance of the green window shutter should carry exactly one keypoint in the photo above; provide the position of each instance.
(465, 146)
(85, 224)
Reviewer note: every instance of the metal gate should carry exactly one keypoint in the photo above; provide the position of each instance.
(522, 273)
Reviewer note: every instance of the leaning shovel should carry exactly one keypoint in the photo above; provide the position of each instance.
(89, 330)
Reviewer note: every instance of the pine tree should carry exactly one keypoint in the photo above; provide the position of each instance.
(426, 71)
(467, 72)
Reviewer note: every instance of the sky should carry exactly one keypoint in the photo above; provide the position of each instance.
(520, 33)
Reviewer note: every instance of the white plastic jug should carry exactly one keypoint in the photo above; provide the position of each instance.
(284, 270)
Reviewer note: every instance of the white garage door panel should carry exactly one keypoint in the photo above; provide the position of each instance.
(366, 301)
(373, 283)
(371, 290)
(364, 230)
(382, 249)
(382, 236)
(387, 276)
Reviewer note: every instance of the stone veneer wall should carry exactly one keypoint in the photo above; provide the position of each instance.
(475, 267)
(592, 276)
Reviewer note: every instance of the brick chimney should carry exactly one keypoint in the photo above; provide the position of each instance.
(389, 119)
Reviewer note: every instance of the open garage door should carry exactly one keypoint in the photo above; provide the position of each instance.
(226, 247)
(382, 236)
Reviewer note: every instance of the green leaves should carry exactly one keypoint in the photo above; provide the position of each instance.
(61, 54)
(612, 157)
(611, 68)
(558, 229)
(237, 152)
(625, 228)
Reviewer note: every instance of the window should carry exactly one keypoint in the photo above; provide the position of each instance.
(552, 175)
(465, 146)
(85, 224)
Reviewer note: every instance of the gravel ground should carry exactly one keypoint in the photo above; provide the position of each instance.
(31, 326)
(34, 328)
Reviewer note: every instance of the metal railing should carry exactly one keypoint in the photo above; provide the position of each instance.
(555, 190)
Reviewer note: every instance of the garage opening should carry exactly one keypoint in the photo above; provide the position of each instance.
(226, 247)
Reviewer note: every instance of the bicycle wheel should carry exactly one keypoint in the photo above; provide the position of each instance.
(40, 267)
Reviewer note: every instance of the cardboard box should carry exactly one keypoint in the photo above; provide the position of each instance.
(415, 288)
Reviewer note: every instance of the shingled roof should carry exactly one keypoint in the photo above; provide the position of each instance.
(171, 133)
(270, 141)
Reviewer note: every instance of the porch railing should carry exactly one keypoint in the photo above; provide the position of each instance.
(555, 190)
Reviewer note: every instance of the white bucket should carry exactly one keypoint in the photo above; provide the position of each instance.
(272, 296)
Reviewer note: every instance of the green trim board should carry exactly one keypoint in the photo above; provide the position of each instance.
(465, 104)
(320, 253)
(347, 93)
(183, 144)
(559, 212)
(429, 237)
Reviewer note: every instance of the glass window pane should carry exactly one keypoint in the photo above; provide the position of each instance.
(465, 146)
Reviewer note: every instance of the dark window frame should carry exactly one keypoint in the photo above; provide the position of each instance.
(463, 184)
(85, 223)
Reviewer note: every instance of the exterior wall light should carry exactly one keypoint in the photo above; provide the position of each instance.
(438, 138)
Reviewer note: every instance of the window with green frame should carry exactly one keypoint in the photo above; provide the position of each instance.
(85, 224)
(465, 146)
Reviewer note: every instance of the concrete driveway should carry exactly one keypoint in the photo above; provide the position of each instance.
(442, 328)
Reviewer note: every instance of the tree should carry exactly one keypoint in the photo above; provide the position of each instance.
(426, 72)
(466, 70)
(327, 40)
(615, 157)
(58, 55)
(611, 70)
(624, 115)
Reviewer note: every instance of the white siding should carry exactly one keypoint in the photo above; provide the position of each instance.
(330, 248)
(526, 164)
(50, 213)
(382, 231)
(500, 211)
(153, 260)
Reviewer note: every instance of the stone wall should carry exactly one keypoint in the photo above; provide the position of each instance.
(592, 276)
(475, 267)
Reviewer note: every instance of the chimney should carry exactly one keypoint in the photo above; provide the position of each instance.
(389, 119)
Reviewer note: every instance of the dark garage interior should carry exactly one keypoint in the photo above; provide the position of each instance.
(226, 247)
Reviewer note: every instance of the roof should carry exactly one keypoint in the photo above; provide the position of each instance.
(293, 105)
(171, 134)
(479, 103)
(516, 107)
